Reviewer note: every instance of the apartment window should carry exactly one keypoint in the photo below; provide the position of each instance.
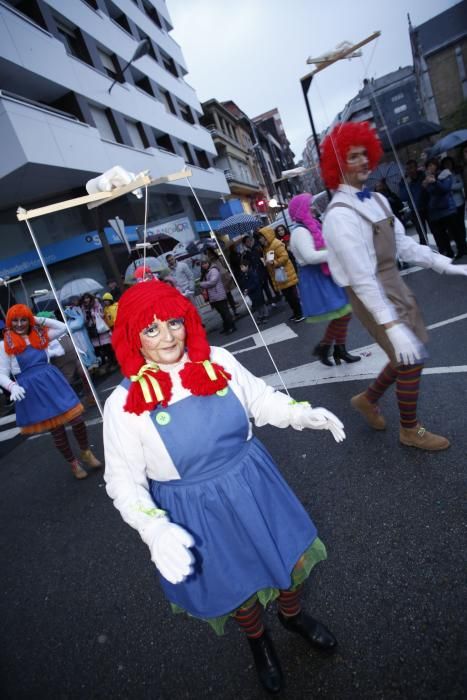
(151, 12)
(396, 98)
(401, 108)
(186, 113)
(118, 16)
(92, 3)
(169, 63)
(30, 9)
(203, 159)
(105, 123)
(187, 153)
(164, 141)
(137, 135)
(150, 51)
(73, 41)
(167, 99)
(111, 66)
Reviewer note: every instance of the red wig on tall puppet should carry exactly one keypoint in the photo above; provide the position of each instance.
(337, 144)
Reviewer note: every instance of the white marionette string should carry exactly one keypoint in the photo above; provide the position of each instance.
(59, 304)
(145, 228)
(213, 237)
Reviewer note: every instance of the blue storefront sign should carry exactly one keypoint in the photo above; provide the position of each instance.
(55, 252)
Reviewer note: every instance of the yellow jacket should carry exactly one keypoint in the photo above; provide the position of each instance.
(281, 259)
(110, 314)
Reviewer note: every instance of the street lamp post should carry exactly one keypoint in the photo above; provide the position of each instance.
(141, 50)
(328, 60)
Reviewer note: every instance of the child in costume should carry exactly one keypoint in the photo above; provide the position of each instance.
(322, 299)
(224, 530)
(44, 399)
(364, 239)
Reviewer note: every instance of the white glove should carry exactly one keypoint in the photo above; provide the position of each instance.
(17, 392)
(114, 177)
(409, 350)
(169, 545)
(319, 419)
(455, 270)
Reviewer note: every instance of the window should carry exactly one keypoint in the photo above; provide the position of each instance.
(169, 63)
(142, 81)
(111, 66)
(105, 123)
(150, 51)
(31, 9)
(151, 12)
(203, 159)
(73, 41)
(396, 98)
(401, 108)
(137, 135)
(164, 141)
(118, 16)
(186, 113)
(167, 99)
(187, 153)
(92, 3)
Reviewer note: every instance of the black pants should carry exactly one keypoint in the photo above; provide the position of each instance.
(460, 229)
(444, 230)
(293, 301)
(222, 308)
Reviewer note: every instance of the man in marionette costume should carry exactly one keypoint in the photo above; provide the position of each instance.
(364, 240)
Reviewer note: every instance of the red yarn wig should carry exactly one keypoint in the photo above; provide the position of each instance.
(337, 144)
(14, 343)
(137, 308)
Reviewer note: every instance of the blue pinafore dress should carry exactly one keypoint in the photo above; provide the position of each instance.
(321, 298)
(48, 394)
(249, 527)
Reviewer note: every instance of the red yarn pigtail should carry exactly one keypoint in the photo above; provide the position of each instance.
(148, 389)
(204, 378)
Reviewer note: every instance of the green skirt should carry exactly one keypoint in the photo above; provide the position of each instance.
(315, 553)
(331, 315)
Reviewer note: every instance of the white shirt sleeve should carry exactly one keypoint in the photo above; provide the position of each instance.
(125, 465)
(303, 247)
(409, 250)
(263, 404)
(55, 328)
(5, 367)
(349, 253)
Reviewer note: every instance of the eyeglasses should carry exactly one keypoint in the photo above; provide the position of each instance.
(154, 330)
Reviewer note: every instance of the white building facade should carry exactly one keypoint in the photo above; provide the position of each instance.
(60, 125)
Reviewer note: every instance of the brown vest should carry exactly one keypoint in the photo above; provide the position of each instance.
(401, 297)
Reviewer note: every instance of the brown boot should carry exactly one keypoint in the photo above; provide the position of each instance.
(421, 438)
(90, 459)
(77, 470)
(370, 411)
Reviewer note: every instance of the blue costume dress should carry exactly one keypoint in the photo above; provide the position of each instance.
(49, 398)
(249, 527)
(321, 298)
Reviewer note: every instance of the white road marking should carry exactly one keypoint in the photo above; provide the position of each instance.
(275, 334)
(9, 434)
(10, 418)
(373, 359)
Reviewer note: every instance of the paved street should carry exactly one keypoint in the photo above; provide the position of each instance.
(82, 612)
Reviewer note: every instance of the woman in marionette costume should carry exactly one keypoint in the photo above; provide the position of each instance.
(44, 399)
(224, 530)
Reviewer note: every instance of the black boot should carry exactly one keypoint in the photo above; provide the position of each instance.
(323, 351)
(340, 353)
(313, 631)
(266, 662)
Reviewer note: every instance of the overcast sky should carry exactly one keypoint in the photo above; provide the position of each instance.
(254, 51)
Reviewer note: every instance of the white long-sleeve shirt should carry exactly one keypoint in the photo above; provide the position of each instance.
(303, 247)
(9, 364)
(352, 257)
(134, 451)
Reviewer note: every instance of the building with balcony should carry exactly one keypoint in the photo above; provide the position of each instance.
(63, 121)
(232, 137)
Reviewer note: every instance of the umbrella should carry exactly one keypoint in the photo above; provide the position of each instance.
(386, 171)
(239, 225)
(411, 132)
(76, 288)
(455, 138)
(154, 264)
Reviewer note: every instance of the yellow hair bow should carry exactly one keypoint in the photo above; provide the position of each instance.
(147, 379)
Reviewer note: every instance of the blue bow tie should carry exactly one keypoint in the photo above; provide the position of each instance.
(364, 194)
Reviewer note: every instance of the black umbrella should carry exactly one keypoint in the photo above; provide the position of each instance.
(389, 172)
(455, 138)
(412, 132)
